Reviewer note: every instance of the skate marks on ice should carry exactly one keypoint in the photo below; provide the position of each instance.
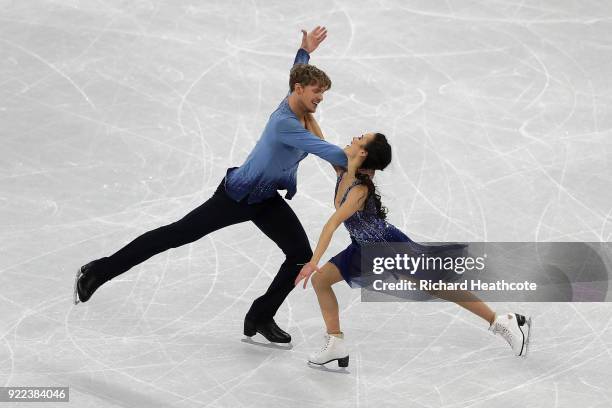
(121, 117)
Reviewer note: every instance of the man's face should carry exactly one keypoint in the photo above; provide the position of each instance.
(310, 96)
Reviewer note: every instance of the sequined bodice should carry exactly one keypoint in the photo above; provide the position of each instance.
(365, 226)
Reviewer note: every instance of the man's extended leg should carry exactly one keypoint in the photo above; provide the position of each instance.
(278, 221)
(217, 212)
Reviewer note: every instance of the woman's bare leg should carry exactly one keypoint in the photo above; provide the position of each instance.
(468, 301)
(322, 283)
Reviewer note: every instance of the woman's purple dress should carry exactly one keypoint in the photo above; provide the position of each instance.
(365, 227)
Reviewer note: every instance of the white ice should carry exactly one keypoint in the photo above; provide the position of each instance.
(117, 117)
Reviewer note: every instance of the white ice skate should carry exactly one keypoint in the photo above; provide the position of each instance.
(515, 329)
(333, 350)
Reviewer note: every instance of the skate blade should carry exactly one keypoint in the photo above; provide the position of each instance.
(342, 362)
(75, 293)
(528, 337)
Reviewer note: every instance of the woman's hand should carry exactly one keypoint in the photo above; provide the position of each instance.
(307, 270)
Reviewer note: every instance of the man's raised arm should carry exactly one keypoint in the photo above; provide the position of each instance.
(310, 42)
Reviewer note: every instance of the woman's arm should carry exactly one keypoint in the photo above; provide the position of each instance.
(354, 202)
(351, 205)
(313, 127)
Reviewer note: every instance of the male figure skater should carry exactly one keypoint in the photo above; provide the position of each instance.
(248, 193)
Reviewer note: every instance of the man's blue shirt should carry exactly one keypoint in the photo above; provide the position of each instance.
(272, 164)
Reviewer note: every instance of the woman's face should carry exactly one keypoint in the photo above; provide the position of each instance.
(356, 148)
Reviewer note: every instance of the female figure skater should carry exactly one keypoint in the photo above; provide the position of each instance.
(358, 206)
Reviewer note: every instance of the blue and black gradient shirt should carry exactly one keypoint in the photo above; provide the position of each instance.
(273, 162)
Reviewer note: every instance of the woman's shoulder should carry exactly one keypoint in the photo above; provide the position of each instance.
(360, 188)
(358, 191)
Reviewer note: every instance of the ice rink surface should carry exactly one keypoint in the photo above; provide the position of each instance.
(117, 117)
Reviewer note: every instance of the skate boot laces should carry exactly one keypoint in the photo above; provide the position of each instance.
(502, 329)
(328, 340)
(504, 332)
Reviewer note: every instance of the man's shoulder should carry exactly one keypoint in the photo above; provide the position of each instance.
(283, 120)
(283, 110)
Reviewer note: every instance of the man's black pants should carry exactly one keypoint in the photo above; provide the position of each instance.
(273, 217)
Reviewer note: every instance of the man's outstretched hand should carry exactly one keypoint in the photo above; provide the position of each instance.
(311, 40)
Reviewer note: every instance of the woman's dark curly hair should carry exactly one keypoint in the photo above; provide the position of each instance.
(379, 157)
